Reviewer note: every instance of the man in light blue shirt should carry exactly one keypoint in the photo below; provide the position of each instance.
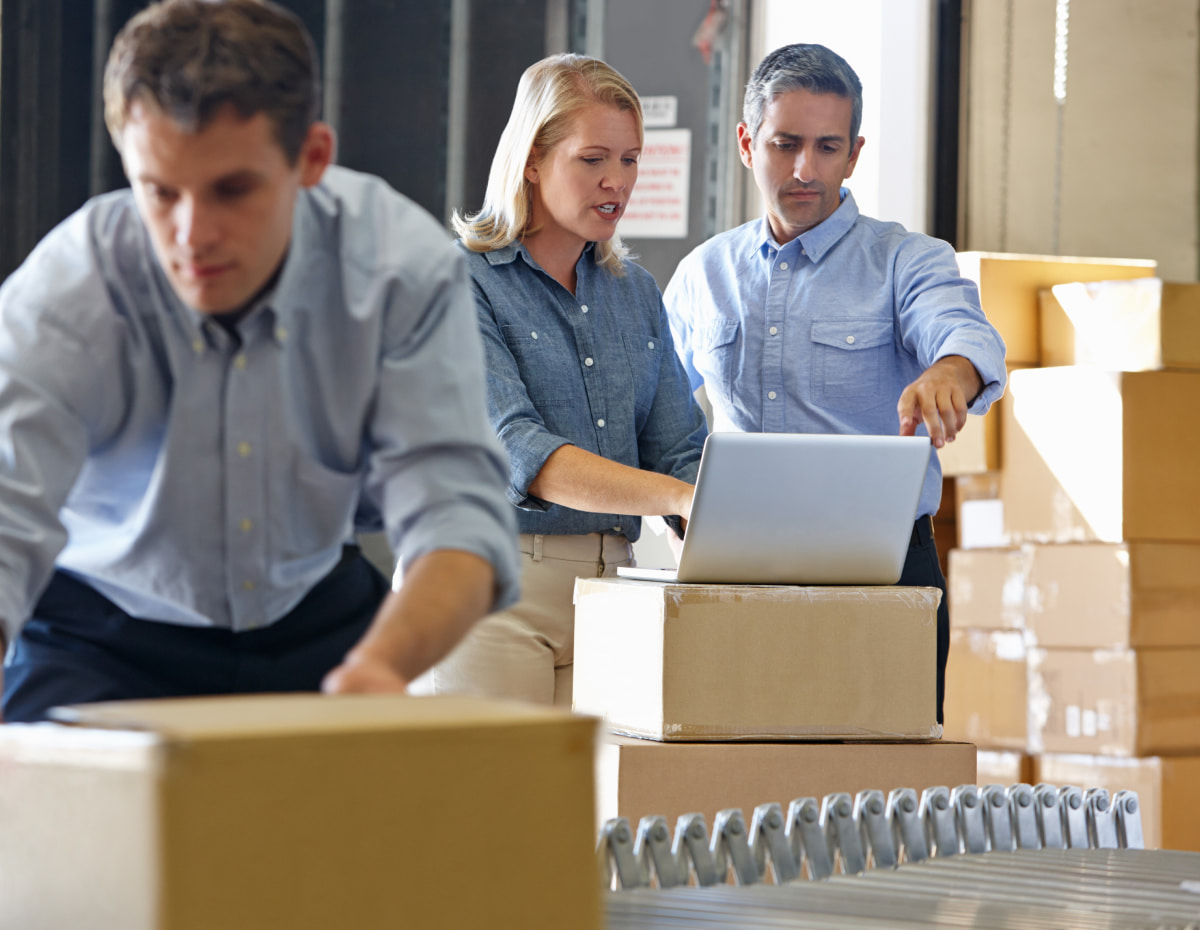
(208, 382)
(816, 319)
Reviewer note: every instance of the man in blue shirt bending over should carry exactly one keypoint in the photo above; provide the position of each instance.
(207, 382)
(816, 319)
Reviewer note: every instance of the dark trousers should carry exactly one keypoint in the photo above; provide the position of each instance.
(79, 647)
(922, 569)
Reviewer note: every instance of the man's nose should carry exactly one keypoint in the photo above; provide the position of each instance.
(195, 224)
(804, 169)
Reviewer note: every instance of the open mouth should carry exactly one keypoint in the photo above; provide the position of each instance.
(609, 209)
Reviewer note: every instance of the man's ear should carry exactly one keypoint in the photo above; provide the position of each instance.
(316, 153)
(858, 146)
(745, 145)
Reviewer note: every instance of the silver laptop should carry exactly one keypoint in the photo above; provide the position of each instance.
(789, 508)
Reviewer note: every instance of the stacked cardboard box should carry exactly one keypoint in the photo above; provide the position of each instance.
(737, 695)
(1098, 503)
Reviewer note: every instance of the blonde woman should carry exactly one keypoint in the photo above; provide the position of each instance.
(585, 390)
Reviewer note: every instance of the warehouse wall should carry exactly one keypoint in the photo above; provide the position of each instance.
(1111, 171)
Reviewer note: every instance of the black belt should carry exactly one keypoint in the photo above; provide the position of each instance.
(922, 533)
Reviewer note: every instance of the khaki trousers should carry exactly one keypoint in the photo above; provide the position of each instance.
(528, 651)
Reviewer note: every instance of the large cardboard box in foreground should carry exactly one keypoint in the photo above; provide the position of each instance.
(1114, 702)
(1092, 455)
(1009, 284)
(1109, 595)
(986, 688)
(1165, 785)
(638, 778)
(300, 812)
(746, 662)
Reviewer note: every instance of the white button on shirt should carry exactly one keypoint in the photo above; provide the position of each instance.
(850, 340)
(589, 362)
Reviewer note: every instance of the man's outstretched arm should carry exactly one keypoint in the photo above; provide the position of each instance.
(444, 593)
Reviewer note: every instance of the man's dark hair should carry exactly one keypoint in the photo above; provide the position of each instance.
(190, 58)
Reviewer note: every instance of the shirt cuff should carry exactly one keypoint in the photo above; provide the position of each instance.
(526, 458)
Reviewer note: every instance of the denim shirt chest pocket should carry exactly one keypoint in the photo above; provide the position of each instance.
(851, 362)
(643, 352)
(548, 368)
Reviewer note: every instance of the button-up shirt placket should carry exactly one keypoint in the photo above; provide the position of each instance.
(780, 274)
(245, 444)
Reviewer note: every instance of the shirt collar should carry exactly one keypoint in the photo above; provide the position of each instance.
(821, 238)
(509, 253)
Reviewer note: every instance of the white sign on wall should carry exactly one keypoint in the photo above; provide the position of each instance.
(658, 208)
(659, 112)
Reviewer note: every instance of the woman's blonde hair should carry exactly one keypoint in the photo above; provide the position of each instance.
(549, 95)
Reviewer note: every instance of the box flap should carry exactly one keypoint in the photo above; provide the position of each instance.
(249, 716)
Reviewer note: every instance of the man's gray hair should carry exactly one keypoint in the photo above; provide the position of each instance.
(801, 67)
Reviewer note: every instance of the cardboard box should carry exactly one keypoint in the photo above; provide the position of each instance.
(637, 778)
(746, 662)
(1091, 455)
(987, 588)
(1138, 325)
(1003, 767)
(300, 812)
(986, 688)
(1109, 595)
(1009, 285)
(975, 449)
(980, 511)
(1114, 702)
(1165, 786)
(978, 449)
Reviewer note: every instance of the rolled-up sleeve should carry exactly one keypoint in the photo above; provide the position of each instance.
(940, 316)
(517, 423)
(436, 466)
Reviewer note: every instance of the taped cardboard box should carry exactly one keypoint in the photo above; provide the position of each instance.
(1003, 767)
(1092, 455)
(1009, 285)
(987, 588)
(299, 812)
(1097, 595)
(976, 448)
(1114, 702)
(638, 778)
(986, 688)
(1165, 785)
(980, 511)
(1137, 325)
(750, 662)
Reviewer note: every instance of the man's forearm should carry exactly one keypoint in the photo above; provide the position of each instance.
(444, 593)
